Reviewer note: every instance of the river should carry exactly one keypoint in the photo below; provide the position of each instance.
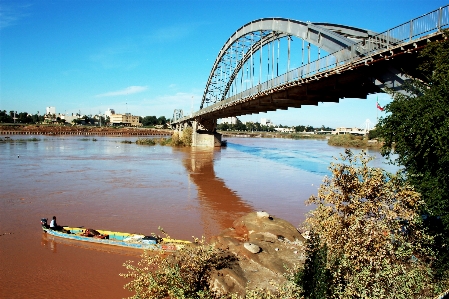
(103, 183)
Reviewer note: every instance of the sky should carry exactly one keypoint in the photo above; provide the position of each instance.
(150, 57)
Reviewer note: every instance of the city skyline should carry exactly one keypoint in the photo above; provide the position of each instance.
(151, 57)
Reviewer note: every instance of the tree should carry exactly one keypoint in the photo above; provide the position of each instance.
(161, 120)
(369, 232)
(416, 128)
(149, 121)
(24, 118)
(5, 117)
(223, 126)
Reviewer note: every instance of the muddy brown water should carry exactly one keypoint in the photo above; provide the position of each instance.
(107, 184)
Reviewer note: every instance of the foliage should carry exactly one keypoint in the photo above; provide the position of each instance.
(288, 290)
(368, 224)
(373, 134)
(153, 141)
(315, 277)
(175, 139)
(153, 120)
(145, 141)
(187, 274)
(416, 129)
(164, 141)
(11, 140)
(21, 117)
(149, 121)
(184, 140)
(187, 136)
(347, 140)
(5, 117)
(184, 274)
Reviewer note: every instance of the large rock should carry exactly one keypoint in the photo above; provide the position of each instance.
(280, 246)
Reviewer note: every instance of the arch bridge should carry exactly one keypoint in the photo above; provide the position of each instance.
(276, 63)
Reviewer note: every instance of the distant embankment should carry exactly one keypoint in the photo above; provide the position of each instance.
(81, 131)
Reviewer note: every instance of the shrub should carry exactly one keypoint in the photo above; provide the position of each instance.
(145, 141)
(346, 140)
(187, 136)
(368, 225)
(185, 140)
(184, 274)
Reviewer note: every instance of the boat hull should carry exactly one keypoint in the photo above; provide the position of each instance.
(117, 239)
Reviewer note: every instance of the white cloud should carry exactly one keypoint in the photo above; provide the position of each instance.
(126, 91)
(166, 104)
(10, 15)
(171, 33)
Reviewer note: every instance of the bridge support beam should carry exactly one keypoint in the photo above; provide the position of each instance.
(202, 138)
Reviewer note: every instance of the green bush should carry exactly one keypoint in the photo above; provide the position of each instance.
(371, 233)
(185, 140)
(184, 274)
(347, 140)
(315, 278)
(145, 141)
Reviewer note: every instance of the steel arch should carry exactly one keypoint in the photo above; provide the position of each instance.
(177, 115)
(330, 37)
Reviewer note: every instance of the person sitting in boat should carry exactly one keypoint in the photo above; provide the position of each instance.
(54, 225)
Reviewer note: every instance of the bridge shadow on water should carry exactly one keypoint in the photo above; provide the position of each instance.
(219, 205)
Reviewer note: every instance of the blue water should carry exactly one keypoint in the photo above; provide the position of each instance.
(313, 156)
(313, 162)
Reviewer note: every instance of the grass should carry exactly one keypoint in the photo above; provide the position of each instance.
(349, 140)
(145, 141)
(19, 140)
(154, 141)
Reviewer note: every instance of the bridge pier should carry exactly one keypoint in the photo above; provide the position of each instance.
(200, 137)
(203, 138)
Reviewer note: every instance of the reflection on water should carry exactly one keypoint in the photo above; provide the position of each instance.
(51, 242)
(48, 243)
(219, 205)
(125, 187)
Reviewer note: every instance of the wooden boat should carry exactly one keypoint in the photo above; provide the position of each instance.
(114, 238)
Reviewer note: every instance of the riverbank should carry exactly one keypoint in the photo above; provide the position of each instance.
(348, 140)
(80, 130)
(273, 135)
(343, 140)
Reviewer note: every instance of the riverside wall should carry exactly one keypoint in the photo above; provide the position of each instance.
(81, 131)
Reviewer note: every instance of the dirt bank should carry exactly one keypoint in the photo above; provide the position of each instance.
(78, 130)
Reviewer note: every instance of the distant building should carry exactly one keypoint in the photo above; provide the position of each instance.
(69, 118)
(229, 120)
(50, 110)
(266, 122)
(353, 131)
(109, 112)
(285, 130)
(124, 119)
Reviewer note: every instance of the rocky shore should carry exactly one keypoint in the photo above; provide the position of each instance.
(265, 247)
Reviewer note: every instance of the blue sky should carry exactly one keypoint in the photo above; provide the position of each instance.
(149, 57)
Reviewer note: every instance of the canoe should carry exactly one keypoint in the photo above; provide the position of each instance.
(107, 237)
